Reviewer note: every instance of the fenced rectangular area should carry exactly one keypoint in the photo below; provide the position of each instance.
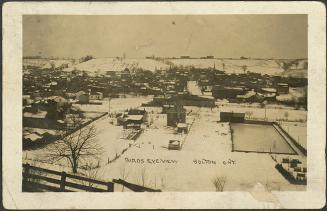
(258, 138)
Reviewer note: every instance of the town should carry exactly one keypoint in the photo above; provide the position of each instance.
(172, 112)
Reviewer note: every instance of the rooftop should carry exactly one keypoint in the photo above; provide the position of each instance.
(135, 117)
(40, 114)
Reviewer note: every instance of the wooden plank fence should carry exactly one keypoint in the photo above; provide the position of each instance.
(36, 179)
(33, 181)
(135, 188)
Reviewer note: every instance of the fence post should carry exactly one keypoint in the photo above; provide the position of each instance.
(63, 181)
(110, 187)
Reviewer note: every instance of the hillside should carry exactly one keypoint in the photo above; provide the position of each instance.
(101, 65)
(295, 68)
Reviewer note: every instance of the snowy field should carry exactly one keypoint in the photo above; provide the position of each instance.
(297, 130)
(269, 67)
(46, 63)
(116, 104)
(193, 88)
(294, 93)
(270, 112)
(206, 154)
(102, 65)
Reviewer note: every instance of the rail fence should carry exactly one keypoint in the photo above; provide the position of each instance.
(36, 179)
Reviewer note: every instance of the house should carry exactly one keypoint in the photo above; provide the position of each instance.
(175, 115)
(56, 104)
(27, 100)
(77, 94)
(195, 100)
(31, 139)
(232, 117)
(166, 107)
(182, 128)
(134, 119)
(282, 88)
(268, 93)
(38, 120)
(82, 97)
(248, 97)
(57, 99)
(266, 90)
(96, 96)
(36, 95)
(121, 120)
(70, 95)
(137, 115)
(222, 92)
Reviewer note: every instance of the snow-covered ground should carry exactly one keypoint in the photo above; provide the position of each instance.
(102, 65)
(193, 88)
(206, 154)
(46, 63)
(233, 65)
(269, 112)
(297, 130)
(270, 67)
(116, 104)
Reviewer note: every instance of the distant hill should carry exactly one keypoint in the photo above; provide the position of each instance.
(282, 67)
(101, 65)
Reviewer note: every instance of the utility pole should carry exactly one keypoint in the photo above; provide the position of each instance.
(109, 106)
(264, 103)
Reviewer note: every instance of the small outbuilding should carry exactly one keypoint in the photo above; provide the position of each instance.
(232, 117)
(182, 128)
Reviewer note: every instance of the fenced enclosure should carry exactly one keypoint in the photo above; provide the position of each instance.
(259, 138)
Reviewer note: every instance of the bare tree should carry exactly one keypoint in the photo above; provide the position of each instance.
(143, 176)
(286, 115)
(249, 114)
(76, 144)
(123, 174)
(162, 181)
(286, 65)
(91, 172)
(219, 183)
(244, 68)
(53, 66)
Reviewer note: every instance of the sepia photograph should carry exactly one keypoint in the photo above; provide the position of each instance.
(122, 101)
(144, 103)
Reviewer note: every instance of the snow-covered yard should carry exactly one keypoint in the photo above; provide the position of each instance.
(269, 112)
(206, 154)
(116, 104)
(297, 130)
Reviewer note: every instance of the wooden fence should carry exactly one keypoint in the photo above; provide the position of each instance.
(299, 146)
(36, 179)
(135, 188)
(40, 179)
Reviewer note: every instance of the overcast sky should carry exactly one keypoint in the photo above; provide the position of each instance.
(262, 36)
